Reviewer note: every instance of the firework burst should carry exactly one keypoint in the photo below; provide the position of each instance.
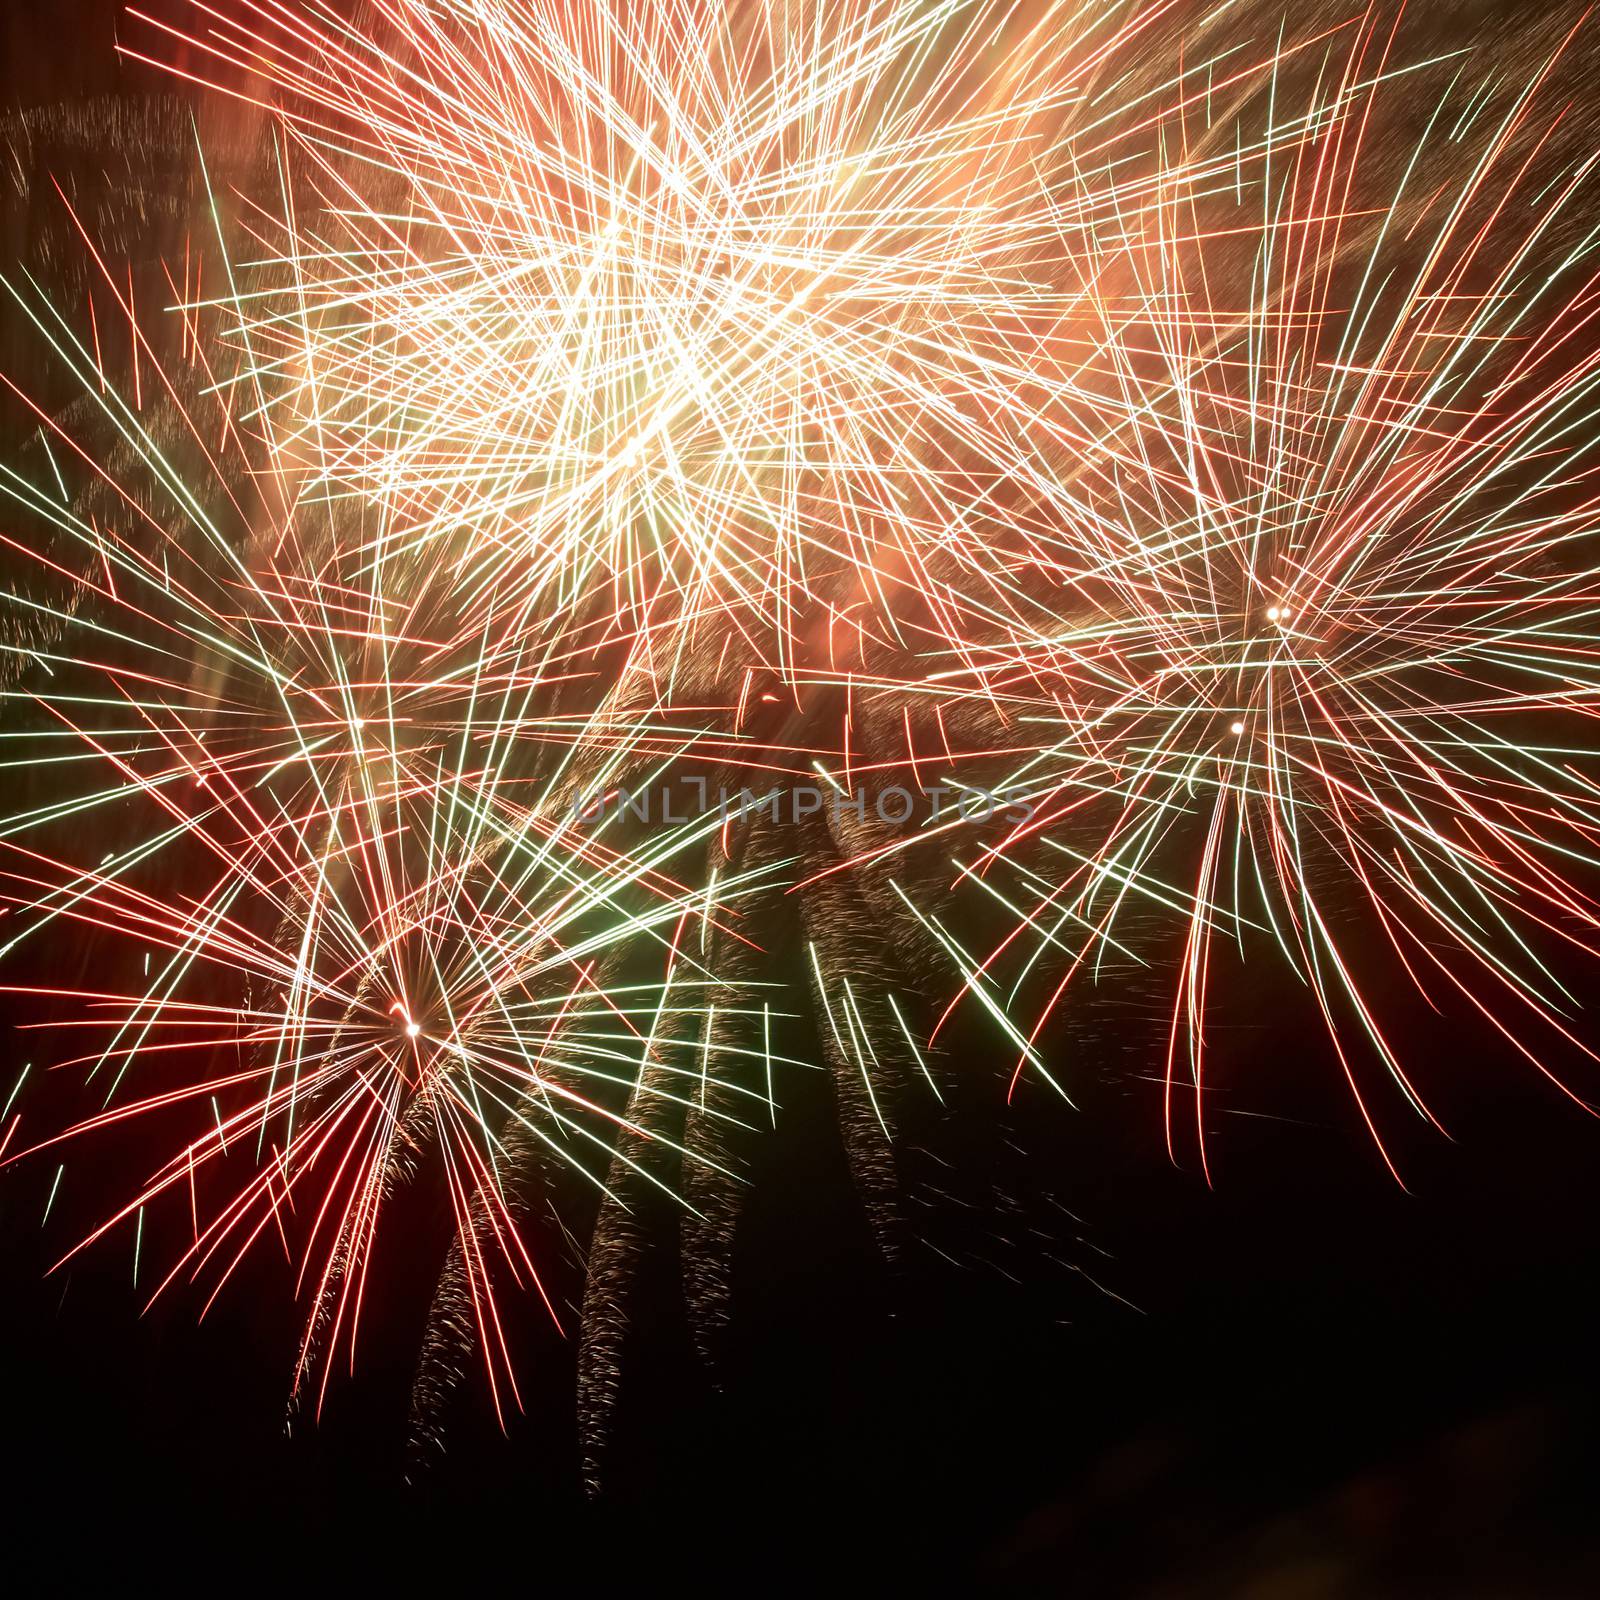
(1321, 673)
(673, 314)
(297, 819)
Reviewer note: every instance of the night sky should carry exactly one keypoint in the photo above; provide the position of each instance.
(1302, 1380)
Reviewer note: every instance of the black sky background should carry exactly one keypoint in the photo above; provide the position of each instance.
(1324, 1385)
